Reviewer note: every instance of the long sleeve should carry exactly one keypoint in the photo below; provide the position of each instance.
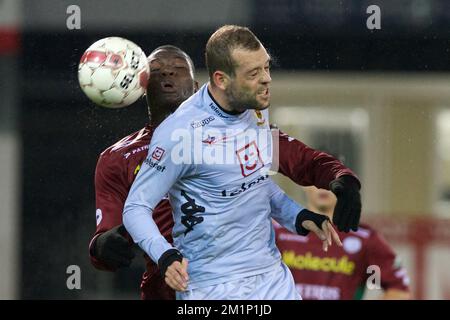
(284, 209)
(306, 166)
(155, 178)
(110, 195)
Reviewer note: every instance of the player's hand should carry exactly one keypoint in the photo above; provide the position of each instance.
(173, 267)
(319, 224)
(176, 275)
(326, 233)
(113, 249)
(347, 211)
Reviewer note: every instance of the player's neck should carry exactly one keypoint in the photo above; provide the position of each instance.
(156, 119)
(159, 112)
(219, 98)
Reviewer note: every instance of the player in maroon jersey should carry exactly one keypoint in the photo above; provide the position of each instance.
(171, 82)
(341, 272)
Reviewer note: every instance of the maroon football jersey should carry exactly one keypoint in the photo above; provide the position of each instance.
(119, 164)
(116, 170)
(340, 273)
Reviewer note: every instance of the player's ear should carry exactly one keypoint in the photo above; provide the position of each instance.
(220, 79)
(196, 86)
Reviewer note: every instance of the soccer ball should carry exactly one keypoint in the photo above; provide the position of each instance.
(113, 72)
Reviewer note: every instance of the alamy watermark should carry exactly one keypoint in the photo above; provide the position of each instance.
(74, 279)
(251, 149)
(73, 21)
(373, 282)
(374, 20)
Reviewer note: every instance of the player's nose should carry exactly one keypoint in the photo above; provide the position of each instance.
(168, 72)
(266, 79)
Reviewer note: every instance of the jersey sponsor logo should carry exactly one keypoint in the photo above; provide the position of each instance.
(250, 159)
(217, 111)
(158, 153)
(244, 187)
(352, 245)
(202, 123)
(154, 165)
(98, 216)
(134, 151)
(318, 292)
(189, 209)
(314, 263)
(136, 171)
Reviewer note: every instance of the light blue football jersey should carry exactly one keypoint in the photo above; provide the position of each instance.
(215, 168)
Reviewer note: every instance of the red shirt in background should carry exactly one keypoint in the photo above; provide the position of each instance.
(340, 273)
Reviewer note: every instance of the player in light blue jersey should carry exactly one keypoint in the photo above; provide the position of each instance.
(213, 157)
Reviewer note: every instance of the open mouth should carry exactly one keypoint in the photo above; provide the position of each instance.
(168, 86)
(264, 93)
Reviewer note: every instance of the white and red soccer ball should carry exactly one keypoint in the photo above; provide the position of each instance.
(113, 72)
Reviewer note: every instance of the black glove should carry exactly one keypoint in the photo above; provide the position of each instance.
(113, 249)
(348, 207)
(167, 258)
(304, 215)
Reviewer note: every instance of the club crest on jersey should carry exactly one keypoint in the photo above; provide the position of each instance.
(260, 118)
(209, 140)
(158, 153)
(352, 245)
(250, 159)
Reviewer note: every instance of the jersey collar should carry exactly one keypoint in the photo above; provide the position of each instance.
(215, 109)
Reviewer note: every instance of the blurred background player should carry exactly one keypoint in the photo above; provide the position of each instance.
(171, 82)
(341, 272)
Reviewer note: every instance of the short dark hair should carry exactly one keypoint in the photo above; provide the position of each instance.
(169, 47)
(221, 44)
